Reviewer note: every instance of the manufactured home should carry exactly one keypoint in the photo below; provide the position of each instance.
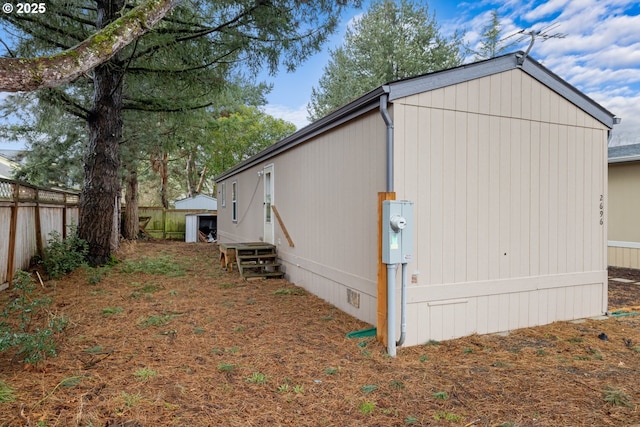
(624, 205)
(505, 167)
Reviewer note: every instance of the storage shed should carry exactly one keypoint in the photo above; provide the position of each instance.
(199, 201)
(624, 206)
(506, 166)
(200, 226)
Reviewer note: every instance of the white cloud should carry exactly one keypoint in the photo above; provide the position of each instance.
(297, 116)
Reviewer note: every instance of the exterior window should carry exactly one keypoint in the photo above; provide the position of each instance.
(234, 201)
(223, 194)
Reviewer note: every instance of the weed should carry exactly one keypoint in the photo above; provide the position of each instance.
(6, 393)
(173, 292)
(431, 343)
(541, 352)
(366, 407)
(33, 327)
(64, 255)
(130, 400)
(397, 384)
(145, 374)
(424, 358)
(110, 311)
(94, 350)
(467, 350)
(227, 285)
(161, 266)
(636, 349)
(331, 371)
(199, 331)
(238, 329)
(581, 357)
(163, 320)
(70, 382)
(283, 388)
(298, 389)
(96, 275)
(447, 416)
(251, 301)
(441, 395)
(616, 397)
(575, 340)
(287, 291)
(257, 378)
(410, 419)
(368, 388)
(226, 367)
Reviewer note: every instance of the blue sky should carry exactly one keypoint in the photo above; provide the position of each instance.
(600, 54)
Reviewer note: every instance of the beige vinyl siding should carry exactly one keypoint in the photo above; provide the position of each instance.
(508, 229)
(624, 214)
(326, 193)
(620, 256)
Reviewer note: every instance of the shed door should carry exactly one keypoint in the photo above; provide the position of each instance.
(268, 200)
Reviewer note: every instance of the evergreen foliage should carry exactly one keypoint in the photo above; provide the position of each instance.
(392, 41)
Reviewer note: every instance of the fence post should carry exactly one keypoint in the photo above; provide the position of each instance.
(38, 225)
(13, 231)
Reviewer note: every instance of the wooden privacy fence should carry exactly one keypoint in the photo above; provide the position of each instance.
(28, 215)
(160, 223)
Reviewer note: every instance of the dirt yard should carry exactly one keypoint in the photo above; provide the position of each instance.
(167, 338)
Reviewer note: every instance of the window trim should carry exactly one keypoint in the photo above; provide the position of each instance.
(223, 194)
(234, 201)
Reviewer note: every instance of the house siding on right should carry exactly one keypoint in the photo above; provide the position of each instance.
(508, 180)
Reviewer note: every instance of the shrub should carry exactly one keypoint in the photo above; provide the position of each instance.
(30, 326)
(64, 255)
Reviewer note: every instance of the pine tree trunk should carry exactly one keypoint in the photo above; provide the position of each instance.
(102, 158)
(164, 181)
(131, 216)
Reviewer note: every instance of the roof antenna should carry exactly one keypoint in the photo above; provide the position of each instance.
(543, 34)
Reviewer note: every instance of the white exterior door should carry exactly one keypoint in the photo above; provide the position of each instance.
(268, 201)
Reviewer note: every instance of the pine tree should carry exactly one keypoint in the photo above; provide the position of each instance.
(393, 40)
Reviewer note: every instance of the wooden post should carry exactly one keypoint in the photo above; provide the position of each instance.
(38, 225)
(381, 325)
(13, 231)
(64, 216)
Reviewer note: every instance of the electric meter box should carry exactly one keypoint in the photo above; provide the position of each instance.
(397, 231)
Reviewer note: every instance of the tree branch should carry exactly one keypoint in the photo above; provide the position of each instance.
(21, 74)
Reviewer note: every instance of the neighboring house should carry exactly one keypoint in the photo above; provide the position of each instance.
(199, 201)
(624, 206)
(8, 163)
(506, 165)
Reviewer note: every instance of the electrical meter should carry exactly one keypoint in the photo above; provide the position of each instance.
(397, 231)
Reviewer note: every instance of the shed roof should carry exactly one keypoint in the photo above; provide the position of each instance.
(624, 153)
(427, 82)
(7, 166)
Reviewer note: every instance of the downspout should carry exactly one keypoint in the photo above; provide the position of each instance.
(392, 268)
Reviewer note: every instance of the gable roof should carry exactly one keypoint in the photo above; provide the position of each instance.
(624, 153)
(427, 82)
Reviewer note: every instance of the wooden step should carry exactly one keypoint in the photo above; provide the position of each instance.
(265, 274)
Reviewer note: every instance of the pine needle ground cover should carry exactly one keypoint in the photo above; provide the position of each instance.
(167, 338)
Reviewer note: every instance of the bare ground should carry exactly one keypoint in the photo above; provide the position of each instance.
(201, 347)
